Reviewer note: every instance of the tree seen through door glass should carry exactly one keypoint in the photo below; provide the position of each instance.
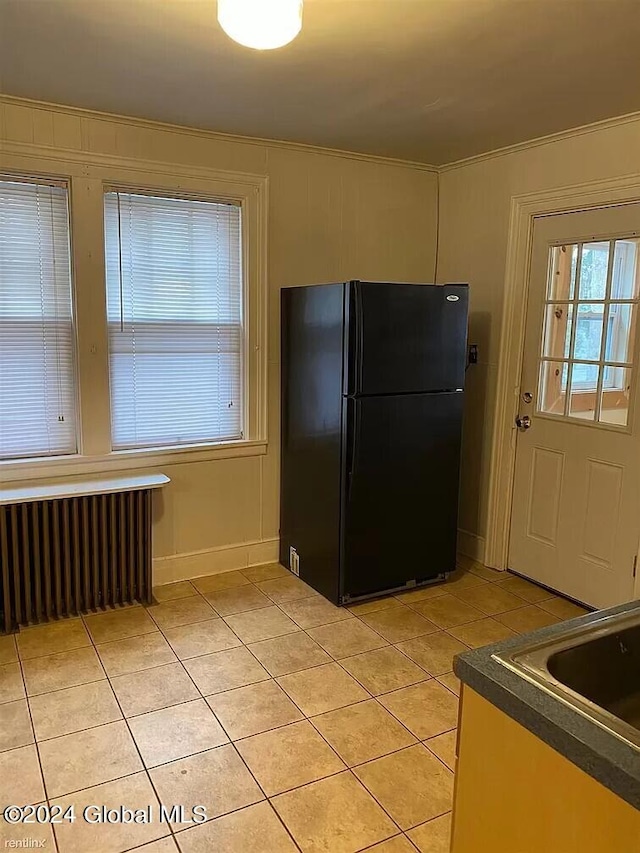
(594, 262)
(552, 387)
(557, 334)
(563, 267)
(589, 331)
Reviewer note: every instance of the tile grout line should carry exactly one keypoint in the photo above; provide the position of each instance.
(155, 841)
(401, 834)
(37, 748)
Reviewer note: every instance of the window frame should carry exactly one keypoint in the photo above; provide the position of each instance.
(88, 177)
(244, 356)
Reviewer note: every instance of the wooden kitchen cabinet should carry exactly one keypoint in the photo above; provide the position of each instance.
(515, 794)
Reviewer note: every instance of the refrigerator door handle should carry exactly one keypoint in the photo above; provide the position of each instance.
(358, 342)
(355, 429)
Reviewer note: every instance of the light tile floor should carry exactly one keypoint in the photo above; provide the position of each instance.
(300, 726)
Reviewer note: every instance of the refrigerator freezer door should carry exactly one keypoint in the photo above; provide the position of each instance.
(401, 492)
(406, 338)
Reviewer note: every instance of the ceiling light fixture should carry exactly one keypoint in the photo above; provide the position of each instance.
(261, 24)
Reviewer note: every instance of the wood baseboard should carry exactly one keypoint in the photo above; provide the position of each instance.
(212, 561)
(471, 545)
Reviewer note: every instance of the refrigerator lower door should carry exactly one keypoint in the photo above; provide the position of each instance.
(401, 491)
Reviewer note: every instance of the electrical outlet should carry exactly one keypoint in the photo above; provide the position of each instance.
(472, 357)
(294, 561)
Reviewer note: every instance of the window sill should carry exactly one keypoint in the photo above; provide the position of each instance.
(125, 460)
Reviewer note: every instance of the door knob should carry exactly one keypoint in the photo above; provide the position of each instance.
(523, 422)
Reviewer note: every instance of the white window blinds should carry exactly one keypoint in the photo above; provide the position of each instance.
(175, 316)
(37, 351)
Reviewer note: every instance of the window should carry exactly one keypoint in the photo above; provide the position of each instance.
(589, 330)
(175, 320)
(37, 348)
(154, 351)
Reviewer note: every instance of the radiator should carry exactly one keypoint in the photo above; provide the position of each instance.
(71, 555)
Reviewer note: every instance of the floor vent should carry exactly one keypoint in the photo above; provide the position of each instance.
(71, 555)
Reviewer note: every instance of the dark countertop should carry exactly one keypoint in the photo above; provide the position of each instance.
(605, 757)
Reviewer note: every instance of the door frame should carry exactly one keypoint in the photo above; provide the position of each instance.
(524, 210)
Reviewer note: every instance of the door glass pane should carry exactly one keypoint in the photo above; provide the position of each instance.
(589, 331)
(593, 270)
(557, 330)
(562, 272)
(615, 378)
(626, 270)
(584, 384)
(620, 332)
(584, 377)
(614, 406)
(553, 384)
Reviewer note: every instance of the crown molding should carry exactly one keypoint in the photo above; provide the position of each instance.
(581, 130)
(571, 133)
(63, 161)
(213, 135)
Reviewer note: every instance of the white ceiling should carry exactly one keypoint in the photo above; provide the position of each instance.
(425, 80)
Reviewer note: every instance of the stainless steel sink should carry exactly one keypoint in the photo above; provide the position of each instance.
(593, 668)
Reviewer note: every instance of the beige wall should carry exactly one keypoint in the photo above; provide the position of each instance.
(474, 220)
(330, 218)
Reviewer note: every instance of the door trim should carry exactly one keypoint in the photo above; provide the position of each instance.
(524, 210)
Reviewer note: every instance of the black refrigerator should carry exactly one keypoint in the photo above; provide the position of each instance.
(372, 397)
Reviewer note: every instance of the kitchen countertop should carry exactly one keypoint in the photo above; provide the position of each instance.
(613, 762)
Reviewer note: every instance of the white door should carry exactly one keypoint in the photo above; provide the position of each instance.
(575, 522)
